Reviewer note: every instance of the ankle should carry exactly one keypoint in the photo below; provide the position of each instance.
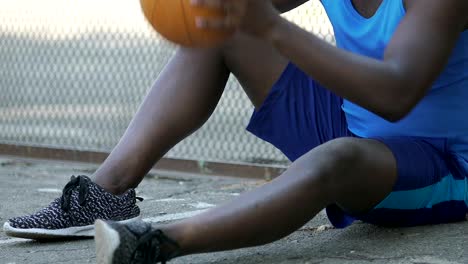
(169, 248)
(177, 232)
(110, 185)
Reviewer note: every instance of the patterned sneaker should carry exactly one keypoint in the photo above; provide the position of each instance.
(74, 213)
(135, 243)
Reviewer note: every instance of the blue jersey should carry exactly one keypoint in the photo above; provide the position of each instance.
(442, 113)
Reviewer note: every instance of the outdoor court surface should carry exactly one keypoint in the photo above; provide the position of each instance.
(27, 185)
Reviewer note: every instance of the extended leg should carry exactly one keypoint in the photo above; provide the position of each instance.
(354, 173)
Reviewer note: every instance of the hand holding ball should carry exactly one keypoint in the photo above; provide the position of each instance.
(176, 21)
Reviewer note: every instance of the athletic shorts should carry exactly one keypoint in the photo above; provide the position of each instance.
(432, 186)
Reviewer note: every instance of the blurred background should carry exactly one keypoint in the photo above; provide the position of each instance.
(73, 73)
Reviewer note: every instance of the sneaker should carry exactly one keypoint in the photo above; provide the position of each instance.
(74, 213)
(136, 243)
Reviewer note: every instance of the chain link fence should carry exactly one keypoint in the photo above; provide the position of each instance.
(73, 73)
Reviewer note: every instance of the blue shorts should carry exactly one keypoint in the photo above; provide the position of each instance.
(432, 187)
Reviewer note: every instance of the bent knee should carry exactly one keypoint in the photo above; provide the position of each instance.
(347, 161)
(344, 152)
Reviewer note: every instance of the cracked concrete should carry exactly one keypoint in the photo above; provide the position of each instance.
(27, 185)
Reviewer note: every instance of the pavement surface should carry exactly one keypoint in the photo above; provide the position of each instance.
(27, 185)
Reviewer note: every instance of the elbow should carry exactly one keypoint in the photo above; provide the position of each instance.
(395, 115)
(403, 95)
(399, 106)
(403, 90)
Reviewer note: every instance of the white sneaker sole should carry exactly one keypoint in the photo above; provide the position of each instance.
(107, 241)
(38, 233)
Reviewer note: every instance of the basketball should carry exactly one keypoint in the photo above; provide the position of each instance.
(175, 21)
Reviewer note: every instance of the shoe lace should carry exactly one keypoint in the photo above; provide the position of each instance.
(80, 181)
(148, 250)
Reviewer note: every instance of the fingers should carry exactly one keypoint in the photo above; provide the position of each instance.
(232, 11)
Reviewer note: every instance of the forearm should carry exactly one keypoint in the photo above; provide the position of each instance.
(373, 84)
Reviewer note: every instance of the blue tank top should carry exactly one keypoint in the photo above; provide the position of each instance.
(442, 113)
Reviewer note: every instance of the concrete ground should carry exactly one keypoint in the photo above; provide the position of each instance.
(27, 185)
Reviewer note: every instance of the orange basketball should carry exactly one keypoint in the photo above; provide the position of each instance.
(175, 20)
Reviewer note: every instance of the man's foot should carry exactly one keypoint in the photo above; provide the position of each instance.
(135, 243)
(74, 213)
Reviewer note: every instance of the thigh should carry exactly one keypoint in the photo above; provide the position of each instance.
(430, 189)
(292, 111)
(256, 65)
(298, 115)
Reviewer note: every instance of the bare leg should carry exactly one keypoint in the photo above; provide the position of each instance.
(354, 173)
(181, 100)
